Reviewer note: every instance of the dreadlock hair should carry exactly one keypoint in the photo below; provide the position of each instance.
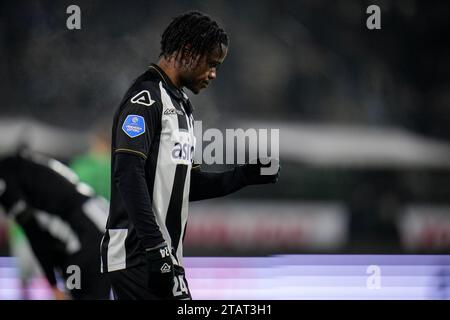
(191, 35)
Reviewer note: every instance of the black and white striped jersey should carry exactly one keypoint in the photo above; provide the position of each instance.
(153, 145)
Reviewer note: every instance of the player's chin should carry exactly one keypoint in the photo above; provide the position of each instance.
(195, 89)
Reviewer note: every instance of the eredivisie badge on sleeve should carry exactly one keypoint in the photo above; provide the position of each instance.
(134, 125)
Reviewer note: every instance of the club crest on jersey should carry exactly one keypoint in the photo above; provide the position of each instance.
(133, 125)
(143, 98)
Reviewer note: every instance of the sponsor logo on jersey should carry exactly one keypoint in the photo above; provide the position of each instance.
(182, 152)
(143, 98)
(183, 147)
(133, 125)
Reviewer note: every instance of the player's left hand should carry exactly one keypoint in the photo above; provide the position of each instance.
(255, 172)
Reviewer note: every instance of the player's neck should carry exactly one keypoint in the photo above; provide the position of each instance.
(170, 70)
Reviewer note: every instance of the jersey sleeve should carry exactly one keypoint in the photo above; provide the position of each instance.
(138, 123)
(208, 185)
(129, 177)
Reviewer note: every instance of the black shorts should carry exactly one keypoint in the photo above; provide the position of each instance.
(131, 284)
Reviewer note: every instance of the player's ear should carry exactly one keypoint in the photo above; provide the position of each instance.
(187, 59)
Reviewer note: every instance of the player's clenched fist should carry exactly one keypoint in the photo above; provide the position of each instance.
(253, 173)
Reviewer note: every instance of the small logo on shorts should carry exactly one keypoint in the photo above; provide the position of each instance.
(165, 268)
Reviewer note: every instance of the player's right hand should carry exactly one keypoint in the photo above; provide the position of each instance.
(160, 271)
(253, 174)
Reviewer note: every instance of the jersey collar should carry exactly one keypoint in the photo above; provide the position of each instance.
(178, 93)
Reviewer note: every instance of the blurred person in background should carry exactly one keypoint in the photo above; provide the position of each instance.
(62, 219)
(153, 176)
(94, 167)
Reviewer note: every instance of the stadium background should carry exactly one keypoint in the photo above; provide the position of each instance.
(364, 115)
